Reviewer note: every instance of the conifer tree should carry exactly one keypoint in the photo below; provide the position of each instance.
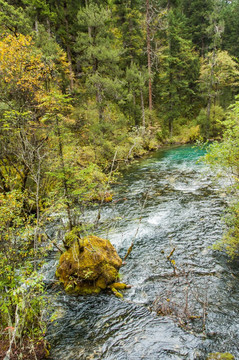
(127, 18)
(98, 55)
(230, 39)
(178, 71)
(197, 13)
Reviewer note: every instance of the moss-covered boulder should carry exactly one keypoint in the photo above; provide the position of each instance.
(89, 266)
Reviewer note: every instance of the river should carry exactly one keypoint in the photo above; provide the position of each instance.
(179, 309)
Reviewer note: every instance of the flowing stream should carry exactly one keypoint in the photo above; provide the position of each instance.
(185, 308)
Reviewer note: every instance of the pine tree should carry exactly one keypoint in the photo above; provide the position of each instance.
(127, 18)
(14, 19)
(178, 71)
(230, 39)
(197, 13)
(98, 55)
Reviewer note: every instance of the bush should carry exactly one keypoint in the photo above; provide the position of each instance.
(225, 157)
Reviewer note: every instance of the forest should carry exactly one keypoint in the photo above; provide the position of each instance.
(86, 87)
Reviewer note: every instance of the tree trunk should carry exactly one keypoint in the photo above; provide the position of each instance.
(68, 49)
(70, 67)
(4, 184)
(170, 120)
(99, 103)
(210, 94)
(89, 27)
(48, 27)
(37, 179)
(36, 25)
(142, 109)
(149, 54)
(66, 190)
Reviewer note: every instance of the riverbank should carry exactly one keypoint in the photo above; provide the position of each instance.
(29, 350)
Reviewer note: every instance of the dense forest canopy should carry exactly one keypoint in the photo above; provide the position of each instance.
(87, 85)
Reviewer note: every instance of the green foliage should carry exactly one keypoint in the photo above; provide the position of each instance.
(21, 288)
(13, 20)
(198, 13)
(230, 240)
(129, 31)
(185, 134)
(22, 302)
(230, 41)
(218, 72)
(179, 70)
(137, 80)
(39, 10)
(72, 236)
(98, 55)
(74, 107)
(225, 156)
(217, 119)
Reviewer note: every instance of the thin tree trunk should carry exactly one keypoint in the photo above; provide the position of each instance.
(24, 177)
(8, 353)
(36, 25)
(142, 109)
(149, 54)
(37, 181)
(4, 185)
(68, 49)
(66, 190)
(170, 120)
(89, 27)
(70, 67)
(48, 27)
(100, 107)
(210, 95)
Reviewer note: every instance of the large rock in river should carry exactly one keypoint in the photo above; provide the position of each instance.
(89, 266)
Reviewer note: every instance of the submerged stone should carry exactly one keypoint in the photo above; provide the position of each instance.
(89, 266)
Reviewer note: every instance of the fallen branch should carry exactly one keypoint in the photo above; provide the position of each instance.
(171, 253)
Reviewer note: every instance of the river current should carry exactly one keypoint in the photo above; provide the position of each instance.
(184, 307)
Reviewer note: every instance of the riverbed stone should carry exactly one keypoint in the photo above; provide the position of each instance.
(88, 266)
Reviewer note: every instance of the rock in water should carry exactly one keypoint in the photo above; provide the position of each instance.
(89, 266)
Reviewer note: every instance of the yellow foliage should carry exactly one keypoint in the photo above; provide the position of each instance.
(21, 68)
(23, 71)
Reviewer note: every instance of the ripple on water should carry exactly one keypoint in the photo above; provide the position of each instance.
(182, 210)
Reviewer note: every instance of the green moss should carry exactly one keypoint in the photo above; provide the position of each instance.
(116, 293)
(69, 287)
(91, 270)
(72, 236)
(101, 283)
(110, 273)
(119, 286)
(220, 356)
(87, 289)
